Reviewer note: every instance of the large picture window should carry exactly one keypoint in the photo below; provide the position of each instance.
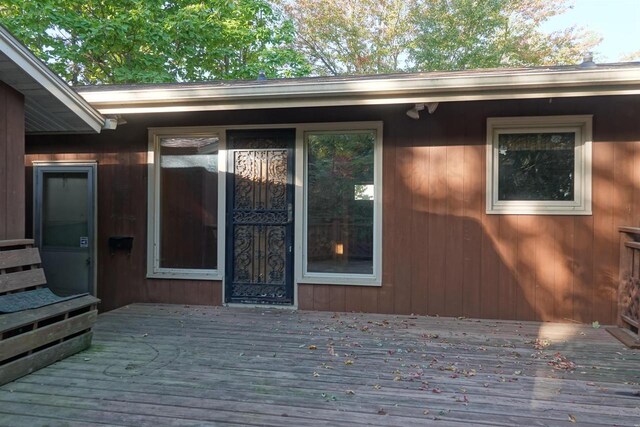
(184, 211)
(539, 165)
(342, 207)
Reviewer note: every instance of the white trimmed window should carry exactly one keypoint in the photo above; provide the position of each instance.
(183, 235)
(342, 204)
(539, 165)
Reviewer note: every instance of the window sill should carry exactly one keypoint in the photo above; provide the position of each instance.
(537, 211)
(177, 275)
(340, 281)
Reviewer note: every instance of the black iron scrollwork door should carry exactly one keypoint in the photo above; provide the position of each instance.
(259, 266)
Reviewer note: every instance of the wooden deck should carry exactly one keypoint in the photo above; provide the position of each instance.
(174, 365)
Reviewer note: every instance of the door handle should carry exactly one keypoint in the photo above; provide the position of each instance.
(289, 213)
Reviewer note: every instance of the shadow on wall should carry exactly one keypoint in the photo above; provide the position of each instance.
(463, 262)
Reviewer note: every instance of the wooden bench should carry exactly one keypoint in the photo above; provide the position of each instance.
(32, 339)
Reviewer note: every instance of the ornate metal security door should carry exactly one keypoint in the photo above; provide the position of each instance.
(260, 217)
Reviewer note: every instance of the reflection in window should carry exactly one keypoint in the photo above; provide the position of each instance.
(363, 192)
(536, 166)
(65, 215)
(539, 165)
(188, 202)
(340, 210)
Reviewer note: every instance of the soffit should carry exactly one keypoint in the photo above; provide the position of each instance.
(51, 106)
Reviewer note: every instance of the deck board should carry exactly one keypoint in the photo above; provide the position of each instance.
(179, 365)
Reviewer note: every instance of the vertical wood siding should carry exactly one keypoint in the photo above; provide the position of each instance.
(122, 211)
(442, 254)
(12, 180)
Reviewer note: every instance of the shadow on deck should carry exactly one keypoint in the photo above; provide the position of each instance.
(176, 365)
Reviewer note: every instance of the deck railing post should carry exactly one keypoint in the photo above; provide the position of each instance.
(629, 279)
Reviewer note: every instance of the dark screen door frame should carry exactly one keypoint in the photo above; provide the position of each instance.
(284, 140)
(40, 169)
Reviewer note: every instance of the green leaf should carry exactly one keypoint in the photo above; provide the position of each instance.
(153, 41)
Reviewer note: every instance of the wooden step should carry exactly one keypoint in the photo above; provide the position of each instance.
(626, 337)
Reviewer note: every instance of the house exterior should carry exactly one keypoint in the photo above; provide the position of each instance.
(490, 193)
(501, 200)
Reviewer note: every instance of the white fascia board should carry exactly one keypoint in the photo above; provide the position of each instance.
(375, 91)
(37, 70)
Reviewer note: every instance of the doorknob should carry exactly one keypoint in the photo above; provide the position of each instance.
(88, 261)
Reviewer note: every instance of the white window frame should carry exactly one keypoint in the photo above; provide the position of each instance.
(304, 276)
(300, 275)
(153, 203)
(581, 125)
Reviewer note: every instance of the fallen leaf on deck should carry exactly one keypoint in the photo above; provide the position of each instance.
(315, 374)
(350, 392)
(560, 362)
(348, 362)
(572, 418)
(312, 347)
(377, 386)
(540, 343)
(382, 412)
(596, 325)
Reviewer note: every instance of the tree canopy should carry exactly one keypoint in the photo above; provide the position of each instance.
(353, 36)
(462, 34)
(381, 36)
(632, 56)
(145, 41)
(129, 41)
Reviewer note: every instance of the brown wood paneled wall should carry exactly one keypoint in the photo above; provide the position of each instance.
(122, 211)
(442, 253)
(12, 181)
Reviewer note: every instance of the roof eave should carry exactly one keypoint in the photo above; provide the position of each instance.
(35, 68)
(490, 86)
